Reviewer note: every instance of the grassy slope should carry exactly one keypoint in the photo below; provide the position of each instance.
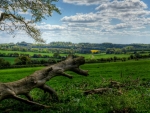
(71, 91)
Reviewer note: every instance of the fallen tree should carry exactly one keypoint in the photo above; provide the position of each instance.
(38, 80)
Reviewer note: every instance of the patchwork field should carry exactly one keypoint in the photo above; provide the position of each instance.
(87, 56)
(135, 92)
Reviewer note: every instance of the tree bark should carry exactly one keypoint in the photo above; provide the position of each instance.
(38, 80)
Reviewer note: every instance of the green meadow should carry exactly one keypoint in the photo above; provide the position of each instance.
(87, 56)
(21, 52)
(103, 55)
(135, 97)
(12, 59)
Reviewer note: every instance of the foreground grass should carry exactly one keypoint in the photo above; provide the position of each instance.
(135, 97)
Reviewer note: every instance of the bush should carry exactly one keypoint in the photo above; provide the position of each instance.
(4, 63)
(23, 60)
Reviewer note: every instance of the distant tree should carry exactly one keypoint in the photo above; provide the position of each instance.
(23, 60)
(35, 61)
(137, 55)
(56, 55)
(110, 51)
(117, 51)
(124, 50)
(4, 63)
(37, 56)
(15, 48)
(15, 54)
(12, 20)
(50, 61)
(42, 61)
(3, 54)
(131, 56)
(46, 56)
(35, 49)
(115, 58)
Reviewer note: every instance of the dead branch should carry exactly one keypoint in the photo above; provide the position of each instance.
(97, 91)
(38, 80)
(113, 85)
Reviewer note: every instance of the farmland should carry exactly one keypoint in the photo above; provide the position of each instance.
(134, 98)
(87, 56)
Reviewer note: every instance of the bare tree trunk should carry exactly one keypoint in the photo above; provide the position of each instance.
(38, 80)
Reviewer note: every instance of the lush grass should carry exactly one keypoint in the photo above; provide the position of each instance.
(87, 56)
(30, 53)
(135, 97)
(9, 59)
(103, 55)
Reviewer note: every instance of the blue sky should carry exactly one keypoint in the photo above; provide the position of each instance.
(94, 21)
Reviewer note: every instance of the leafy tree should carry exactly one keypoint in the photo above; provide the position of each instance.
(115, 58)
(35, 61)
(42, 61)
(4, 63)
(56, 55)
(131, 56)
(110, 51)
(11, 18)
(23, 60)
(15, 54)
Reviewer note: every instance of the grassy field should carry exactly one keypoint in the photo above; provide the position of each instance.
(87, 56)
(12, 59)
(30, 53)
(135, 98)
(102, 55)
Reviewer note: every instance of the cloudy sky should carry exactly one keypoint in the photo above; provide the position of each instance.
(94, 21)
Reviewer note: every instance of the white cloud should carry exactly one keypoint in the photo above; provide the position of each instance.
(79, 17)
(121, 26)
(116, 21)
(129, 13)
(124, 5)
(85, 2)
(44, 26)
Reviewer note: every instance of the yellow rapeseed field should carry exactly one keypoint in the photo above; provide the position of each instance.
(95, 51)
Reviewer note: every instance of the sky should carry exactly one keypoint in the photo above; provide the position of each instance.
(93, 21)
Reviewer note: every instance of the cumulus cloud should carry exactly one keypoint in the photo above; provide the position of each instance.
(79, 17)
(112, 18)
(121, 26)
(44, 26)
(85, 2)
(124, 5)
(113, 21)
(130, 13)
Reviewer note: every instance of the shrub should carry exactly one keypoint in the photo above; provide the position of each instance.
(23, 60)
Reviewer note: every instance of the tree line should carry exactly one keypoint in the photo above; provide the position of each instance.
(136, 56)
(69, 47)
(21, 60)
